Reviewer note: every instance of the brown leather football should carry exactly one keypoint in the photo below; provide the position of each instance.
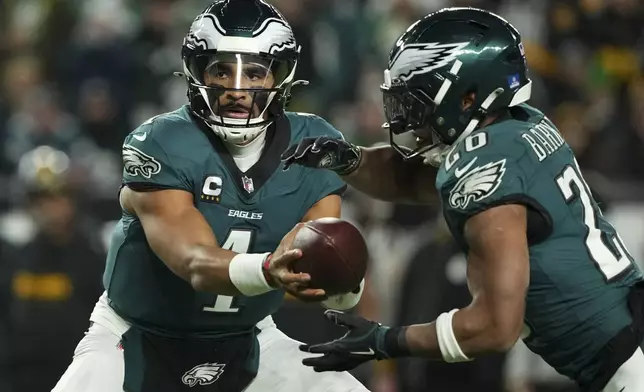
(334, 253)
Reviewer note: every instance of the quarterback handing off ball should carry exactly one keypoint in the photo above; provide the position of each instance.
(334, 253)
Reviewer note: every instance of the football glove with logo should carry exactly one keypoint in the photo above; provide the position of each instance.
(323, 153)
(364, 341)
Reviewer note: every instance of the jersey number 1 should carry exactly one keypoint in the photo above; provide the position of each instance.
(608, 252)
(238, 240)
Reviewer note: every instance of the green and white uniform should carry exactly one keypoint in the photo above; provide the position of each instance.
(249, 212)
(580, 272)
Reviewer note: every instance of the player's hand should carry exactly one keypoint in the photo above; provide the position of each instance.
(364, 341)
(280, 274)
(323, 153)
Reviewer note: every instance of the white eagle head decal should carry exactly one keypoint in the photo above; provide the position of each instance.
(418, 59)
(138, 163)
(477, 184)
(204, 374)
(274, 35)
(205, 33)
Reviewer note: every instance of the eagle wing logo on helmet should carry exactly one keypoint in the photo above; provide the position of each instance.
(477, 184)
(205, 33)
(274, 35)
(204, 374)
(418, 59)
(136, 162)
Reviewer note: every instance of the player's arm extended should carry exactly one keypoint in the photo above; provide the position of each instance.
(180, 236)
(498, 278)
(380, 172)
(327, 207)
(383, 174)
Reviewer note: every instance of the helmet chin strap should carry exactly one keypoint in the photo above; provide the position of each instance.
(475, 121)
(435, 156)
(249, 135)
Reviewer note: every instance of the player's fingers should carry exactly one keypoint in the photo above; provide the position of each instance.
(327, 363)
(308, 295)
(288, 153)
(322, 143)
(286, 164)
(327, 142)
(323, 348)
(303, 148)
(292, 281)
(338, 318)
(303, 292)
(286, 258)
(310, 361)
(320, 364)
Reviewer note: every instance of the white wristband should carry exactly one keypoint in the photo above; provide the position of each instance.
(246, 273)
(447, 341)
(344, 301)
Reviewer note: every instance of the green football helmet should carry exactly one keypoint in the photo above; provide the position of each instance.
(239, 61)
(441, 59)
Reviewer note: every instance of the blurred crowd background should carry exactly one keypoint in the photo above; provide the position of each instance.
(77, 75)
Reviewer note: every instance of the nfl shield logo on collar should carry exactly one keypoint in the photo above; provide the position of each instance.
(248, 184)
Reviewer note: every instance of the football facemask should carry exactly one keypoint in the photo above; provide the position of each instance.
(238, 88)
(407, 109)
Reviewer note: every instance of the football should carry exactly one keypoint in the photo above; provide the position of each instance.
(334, 253)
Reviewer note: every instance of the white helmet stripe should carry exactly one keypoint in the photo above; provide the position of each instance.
(440, 95)
(475, 121)
(522, 95)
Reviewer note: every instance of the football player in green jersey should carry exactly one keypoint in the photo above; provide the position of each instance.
(543, 263)
(200, 259)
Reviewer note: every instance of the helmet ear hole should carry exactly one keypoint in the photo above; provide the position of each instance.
(468, 99)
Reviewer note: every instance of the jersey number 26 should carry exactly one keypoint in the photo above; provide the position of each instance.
(605, 247)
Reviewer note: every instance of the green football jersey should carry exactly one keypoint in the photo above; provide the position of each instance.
(580, 271)
(249, 213)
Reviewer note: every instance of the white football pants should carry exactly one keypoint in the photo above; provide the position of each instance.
(630, 376)
(98, 364)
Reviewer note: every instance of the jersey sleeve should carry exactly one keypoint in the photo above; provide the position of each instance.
(499, 174)
(484, 182)
(323, 183)
(147, 165)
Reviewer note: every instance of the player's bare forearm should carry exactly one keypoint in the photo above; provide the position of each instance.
(383, 174)
(180, 236)
(327, 207)
(498, 273)
(476, 334)
(498, 277)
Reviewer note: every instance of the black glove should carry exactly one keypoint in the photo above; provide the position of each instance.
(323, 153)
(364, 342)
